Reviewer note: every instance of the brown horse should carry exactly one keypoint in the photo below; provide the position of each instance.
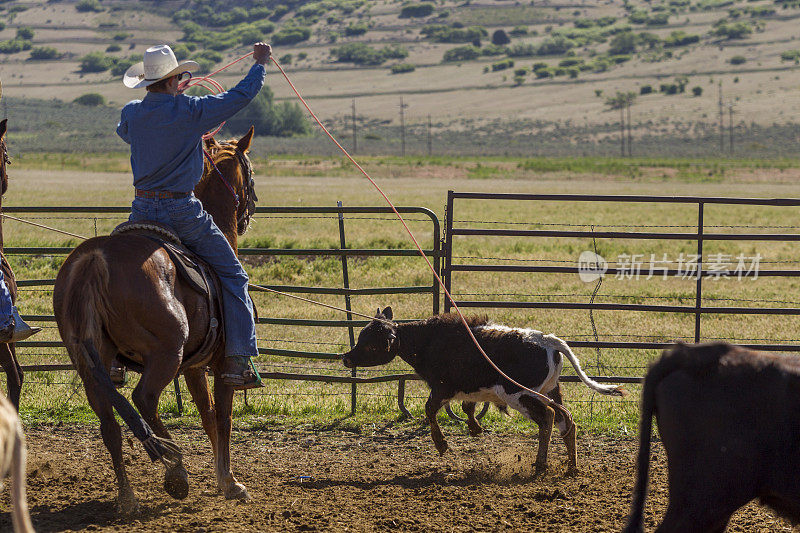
(122, 293)
(8, 357)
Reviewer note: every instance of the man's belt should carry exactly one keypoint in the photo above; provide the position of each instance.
(161, 195)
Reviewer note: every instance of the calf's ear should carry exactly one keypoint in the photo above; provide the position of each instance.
(387, 313)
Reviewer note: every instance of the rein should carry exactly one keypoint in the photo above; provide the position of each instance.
(248, 186)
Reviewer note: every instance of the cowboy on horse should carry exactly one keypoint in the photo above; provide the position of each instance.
(165, 132)
(12, 327)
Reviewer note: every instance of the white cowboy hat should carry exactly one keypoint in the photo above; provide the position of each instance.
(159, 63)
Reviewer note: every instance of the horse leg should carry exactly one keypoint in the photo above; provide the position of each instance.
(145, 396)
(197, 383)
(8, 360)
(223, 398)
(112, 438)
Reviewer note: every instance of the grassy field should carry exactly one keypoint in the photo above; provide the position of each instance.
(467, 101)
(286, 181)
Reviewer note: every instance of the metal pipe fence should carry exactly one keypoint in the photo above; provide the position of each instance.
(340, 214)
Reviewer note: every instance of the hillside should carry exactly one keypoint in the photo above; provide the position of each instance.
(554, 69)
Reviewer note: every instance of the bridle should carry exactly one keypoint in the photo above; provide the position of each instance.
(249, 197)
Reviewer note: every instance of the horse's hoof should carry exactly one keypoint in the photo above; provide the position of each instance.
(127, 505)
(236, 491)
(176, 483)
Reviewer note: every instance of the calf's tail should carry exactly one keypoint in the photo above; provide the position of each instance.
(561, 346)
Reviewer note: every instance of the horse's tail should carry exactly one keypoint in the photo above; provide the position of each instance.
(85, 299)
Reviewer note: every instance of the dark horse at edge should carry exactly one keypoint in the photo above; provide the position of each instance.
(122, 294)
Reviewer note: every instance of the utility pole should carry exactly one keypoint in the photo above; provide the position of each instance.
(355, 137)
(730, 125)
(721, 119)
(630, 135)
(622, 128)
(402, 128)
(430, 137)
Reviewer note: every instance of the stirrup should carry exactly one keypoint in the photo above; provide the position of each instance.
(21, 329)
(249, 377)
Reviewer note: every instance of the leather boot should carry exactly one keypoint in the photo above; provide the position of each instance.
(21, 329)
(239, 372)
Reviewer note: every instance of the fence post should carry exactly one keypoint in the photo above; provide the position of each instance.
(346, 282)
(178, 398)
(448, 248)
(698, 300)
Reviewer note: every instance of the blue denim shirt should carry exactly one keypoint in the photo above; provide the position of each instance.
(166, 132)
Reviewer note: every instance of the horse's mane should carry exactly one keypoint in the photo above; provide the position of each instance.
(473, 321)
(217, 151)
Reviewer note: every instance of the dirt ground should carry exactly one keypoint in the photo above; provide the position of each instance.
(386, 478)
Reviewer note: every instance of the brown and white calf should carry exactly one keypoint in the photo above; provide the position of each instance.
(729, 419)
(12, 460)
(442, 353)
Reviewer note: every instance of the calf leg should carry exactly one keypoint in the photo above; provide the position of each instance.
(567, 430)
(543, 416)
(432, 407)
(475, 428)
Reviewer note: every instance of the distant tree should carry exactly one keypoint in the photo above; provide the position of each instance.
(113, 48)
(623, 43)
(416, 10)
(88, 5)
(500, 37)
(738, 60)
(645, 89)
(620, 100)
(96, 62)
(25, 33)
(44, 52)
(91, 99)
(268, 118)
(697, 91)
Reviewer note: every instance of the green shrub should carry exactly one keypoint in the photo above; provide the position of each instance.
(90, 99)
(519, 31)
(659, 19)
(2, 25)
(524, 71)
(790, 55)
(301, 56)
(543, 73)
(669, 88)
(14, 46)
(570, 62)
(181, 52)
(447, 34)
(502, 65)
(697, 91)
(680, 38)
(462, 53)
(88, 5)
(402, 68)
(44, 52)
(291, 35)
(113, 48)
(286, 59)
(493, 50)
(732, 30)
(359, 28)
(624, 43)
(523, 50)
(738, 60)
(556, 45)
(646, 89)
(25, 33)
(122, 64)
(424, 9)
(121, 36)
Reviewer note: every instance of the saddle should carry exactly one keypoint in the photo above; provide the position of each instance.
(197, 274)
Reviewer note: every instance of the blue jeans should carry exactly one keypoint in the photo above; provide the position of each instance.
(5, 302)
(199, 233)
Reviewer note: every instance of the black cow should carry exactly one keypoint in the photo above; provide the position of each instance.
(729, 418)
(441, 351)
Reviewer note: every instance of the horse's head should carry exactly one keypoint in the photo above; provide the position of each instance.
(4, 159)
(233, 163)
